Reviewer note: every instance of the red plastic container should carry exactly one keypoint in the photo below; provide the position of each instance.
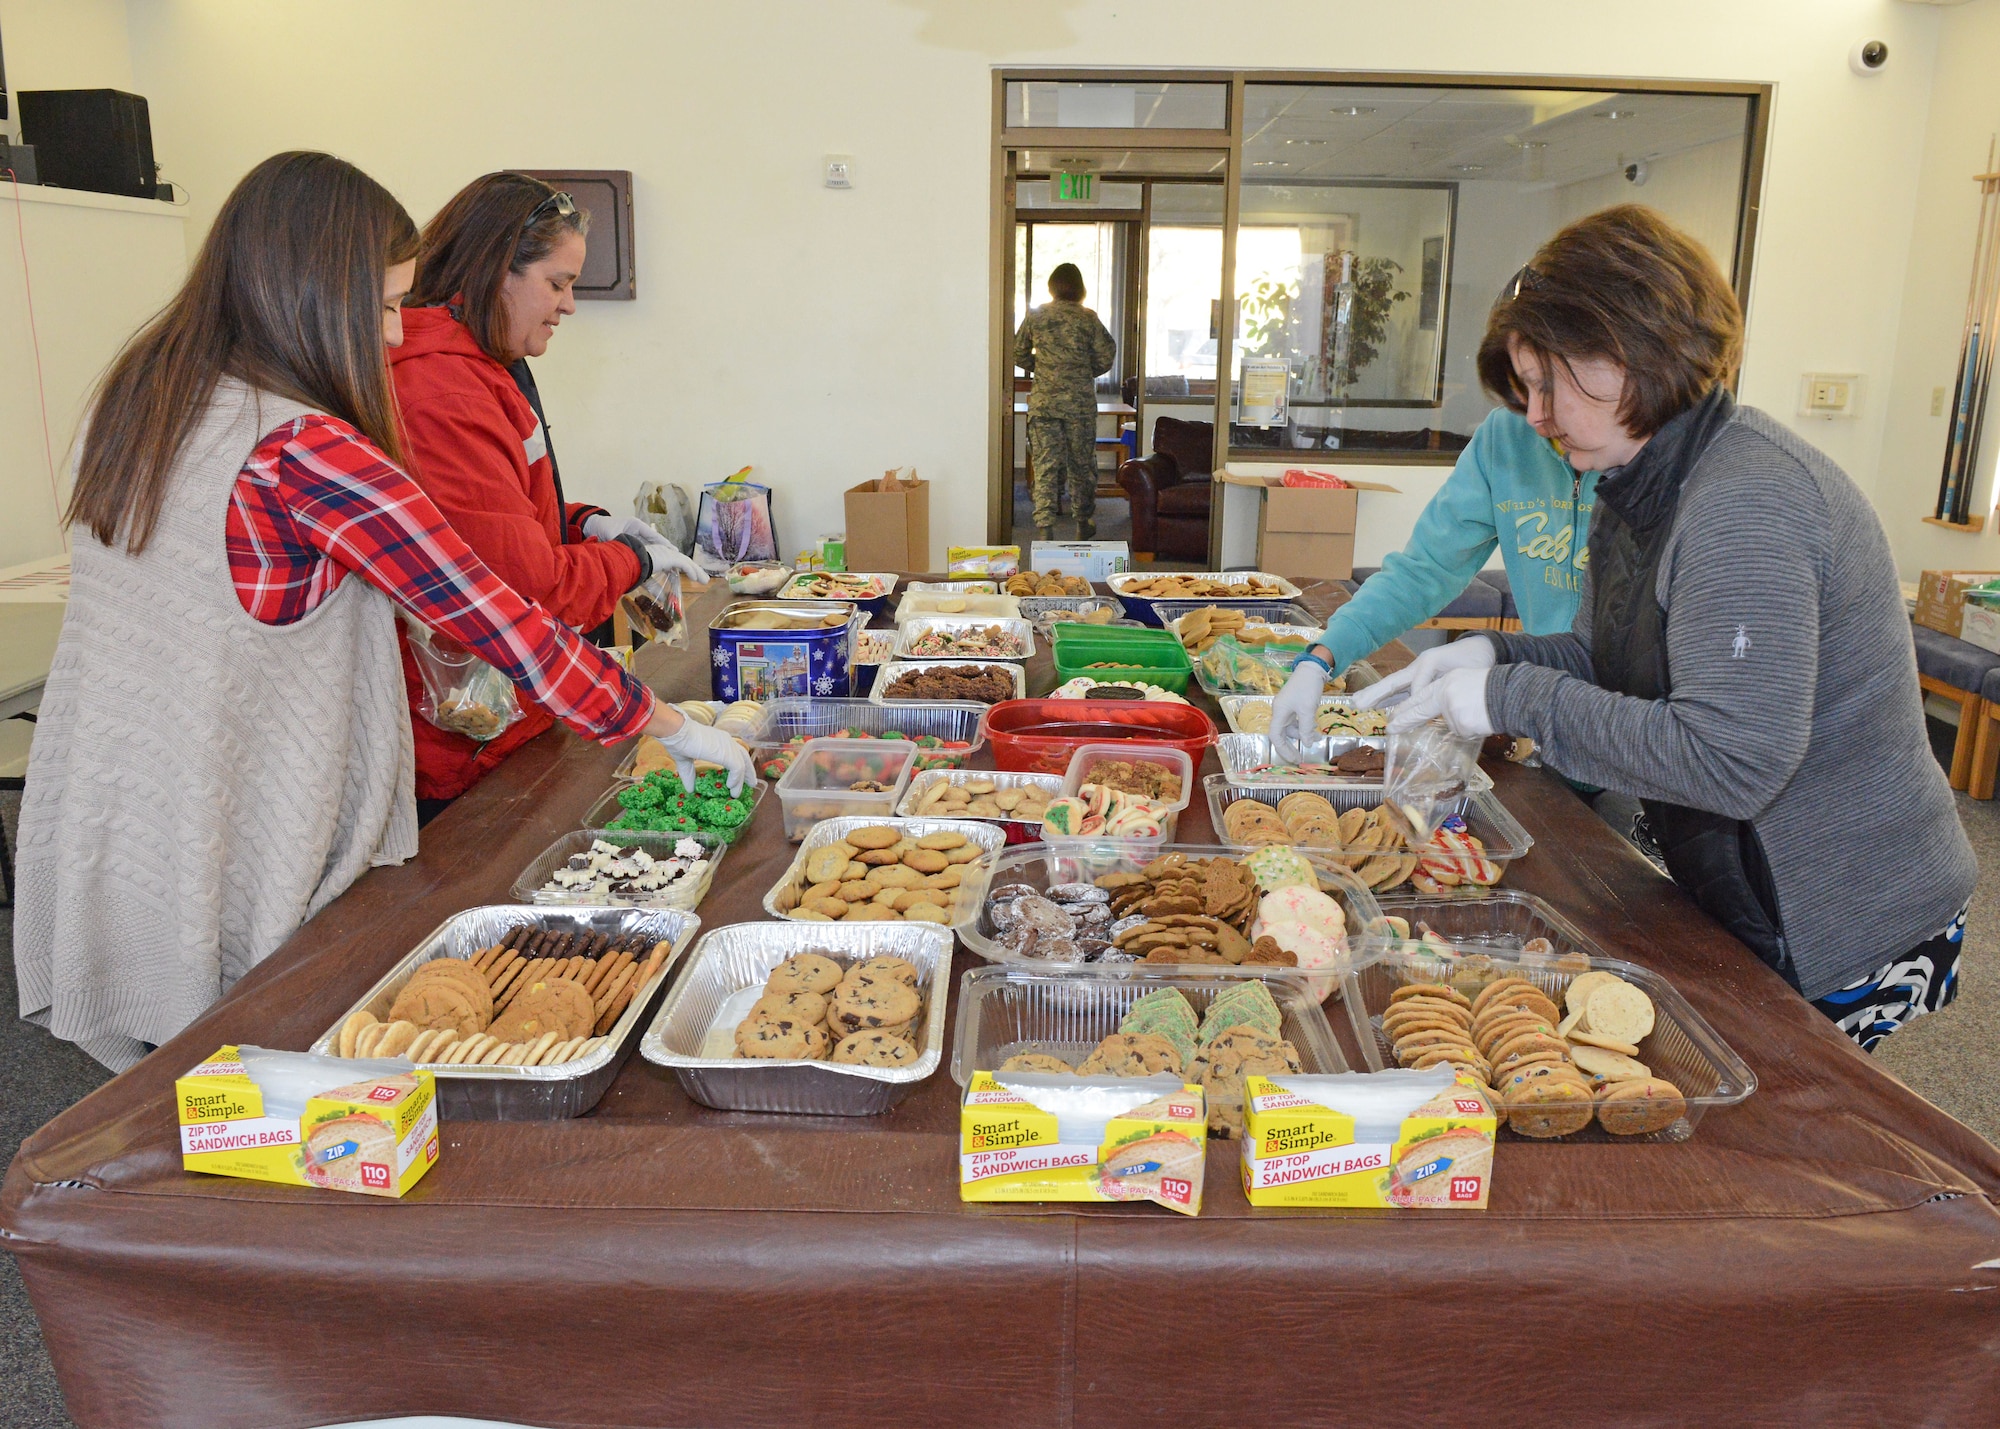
(1038, 736)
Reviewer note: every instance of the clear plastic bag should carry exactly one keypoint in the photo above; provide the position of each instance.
(1426, 770)
(462, 693)
(655, 609)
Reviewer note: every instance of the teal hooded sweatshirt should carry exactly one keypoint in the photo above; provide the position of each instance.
(1509, 488)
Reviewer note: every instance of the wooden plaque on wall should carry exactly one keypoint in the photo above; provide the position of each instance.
(609, 271)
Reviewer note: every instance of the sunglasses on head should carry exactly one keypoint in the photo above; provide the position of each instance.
(561, 202)
(1526, 280)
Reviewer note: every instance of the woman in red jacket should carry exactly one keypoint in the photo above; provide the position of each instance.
(493, 281)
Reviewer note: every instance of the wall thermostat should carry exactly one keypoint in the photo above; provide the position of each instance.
(839, 171)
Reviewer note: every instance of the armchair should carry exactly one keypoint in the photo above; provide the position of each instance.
(1170, 491)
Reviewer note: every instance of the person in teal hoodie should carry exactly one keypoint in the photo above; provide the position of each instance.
(1510, 488)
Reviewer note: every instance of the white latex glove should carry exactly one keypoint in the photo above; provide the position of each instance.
(1458, 695)
(667, 557)
(1295, 713)
(606, 527)
(1470, 653)
(695, 740)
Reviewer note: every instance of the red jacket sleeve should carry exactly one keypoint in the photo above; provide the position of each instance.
(469, 460)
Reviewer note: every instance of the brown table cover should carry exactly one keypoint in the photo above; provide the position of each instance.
(1825, 1252)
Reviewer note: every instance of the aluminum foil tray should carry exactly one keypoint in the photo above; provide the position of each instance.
(910, 630)
(967, 899)
(529, 1093)
(888, 670)
(729, 960)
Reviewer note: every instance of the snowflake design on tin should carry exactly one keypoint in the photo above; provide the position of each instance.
(819, 657)
(824, 684)
(720, 655)
(728, 690)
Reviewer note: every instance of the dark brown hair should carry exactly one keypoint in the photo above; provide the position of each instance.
(286, 295)
(497, 224)
(1627, 285)
(1066, 283)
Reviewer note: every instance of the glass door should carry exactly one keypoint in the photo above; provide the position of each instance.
(1150, 253)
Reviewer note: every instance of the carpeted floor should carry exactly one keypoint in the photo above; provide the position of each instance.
(1945, 1057)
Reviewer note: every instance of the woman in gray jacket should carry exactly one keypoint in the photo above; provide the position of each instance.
(1742, 660)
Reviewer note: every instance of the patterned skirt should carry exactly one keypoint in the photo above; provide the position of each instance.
(1922, 980)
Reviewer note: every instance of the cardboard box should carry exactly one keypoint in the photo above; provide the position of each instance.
(889, 530)
(1304, 531)
(1093, 560)
(1941, 598)
(1011, 1150)
(376, 1135)
(1297, 1152)
(1981, 626)
(1307, 532)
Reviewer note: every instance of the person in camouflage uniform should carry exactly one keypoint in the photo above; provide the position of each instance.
(1064, 345)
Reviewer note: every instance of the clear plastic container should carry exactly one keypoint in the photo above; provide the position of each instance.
(1043, 866)
(966, 900)
(966, 587)
(1268, 612)
(1085, 761)
(1039, 736)
(1017, 636)
(1066, 1011)
(1488, 935)
(1019, 831)
(606, 810)
(532, 885)
(1486, 818)
(816, 788)
(1041, 611)
(1015, 672)
(950, 722)
(725, 972)
(991, 607)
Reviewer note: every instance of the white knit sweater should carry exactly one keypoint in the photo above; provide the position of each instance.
(201, 783)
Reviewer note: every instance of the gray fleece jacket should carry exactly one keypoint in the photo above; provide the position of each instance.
(1794, 703)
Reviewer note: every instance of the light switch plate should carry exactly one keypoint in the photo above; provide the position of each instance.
(839, 171)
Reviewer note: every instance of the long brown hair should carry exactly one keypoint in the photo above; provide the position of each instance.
(286, 295)
(498, 224)
(1625, 284)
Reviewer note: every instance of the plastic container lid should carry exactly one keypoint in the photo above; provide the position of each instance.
(1040, 735)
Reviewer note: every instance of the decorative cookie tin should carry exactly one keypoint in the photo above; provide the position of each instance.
(770, 650)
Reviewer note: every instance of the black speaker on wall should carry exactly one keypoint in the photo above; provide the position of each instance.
(95, 139)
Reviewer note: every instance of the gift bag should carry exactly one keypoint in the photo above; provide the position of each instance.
(735, 521)
(462, 693)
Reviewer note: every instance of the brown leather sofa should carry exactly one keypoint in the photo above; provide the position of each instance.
(1170, 491)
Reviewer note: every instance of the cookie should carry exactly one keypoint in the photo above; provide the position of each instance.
(1618, 1009)
(894, 968)
(1140, 1054)
(1577, 995)
(1432, 990)
(964, 853)
(1549, 1106)
(1641, 1107)
(804, 972)
(874, 1004)
(947, 839)
(806, 1007)
(352, 1029)
(461, 974)
(557, 1004)
(926, 860)
(826, 863)
(778, 1039)
(1037, 1062)
(874, 1049)
(1607, 1066)
(1597, 1039)
(874, 836)
(926, 913)
(437, 1003)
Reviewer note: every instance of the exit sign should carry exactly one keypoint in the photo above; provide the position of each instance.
(1068, 187)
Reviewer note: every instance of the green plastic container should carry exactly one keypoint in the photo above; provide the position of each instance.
(1160, 660)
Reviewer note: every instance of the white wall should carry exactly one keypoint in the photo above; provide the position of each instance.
(1697, 187)
(867, 311)
(1964, 114)
(96, 267)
